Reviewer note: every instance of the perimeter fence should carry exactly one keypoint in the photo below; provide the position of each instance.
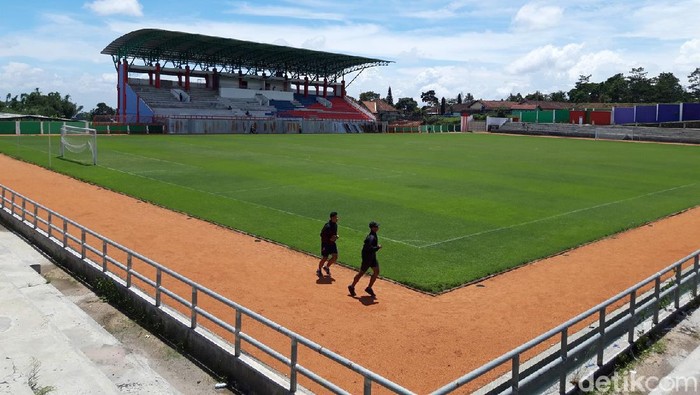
(560, 360)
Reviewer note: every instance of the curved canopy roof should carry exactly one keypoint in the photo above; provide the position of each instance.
(154, 45)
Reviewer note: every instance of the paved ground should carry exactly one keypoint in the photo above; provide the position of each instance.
(56, 335)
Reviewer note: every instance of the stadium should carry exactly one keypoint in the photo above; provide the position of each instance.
(511, 264)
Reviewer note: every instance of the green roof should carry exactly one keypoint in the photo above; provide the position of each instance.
(231, 55)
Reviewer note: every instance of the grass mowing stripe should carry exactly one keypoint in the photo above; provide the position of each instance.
(555, 216)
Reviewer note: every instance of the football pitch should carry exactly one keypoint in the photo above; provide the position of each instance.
(453, 208)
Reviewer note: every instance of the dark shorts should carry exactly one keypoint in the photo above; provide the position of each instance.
(366, 264)
(328, 249)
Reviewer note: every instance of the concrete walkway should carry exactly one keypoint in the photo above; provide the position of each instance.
(47, 342)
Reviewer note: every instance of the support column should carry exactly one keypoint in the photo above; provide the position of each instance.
(187, 78)
(325, 87)
(179, 78)
(150, 78)
(157, 75)
(124, 79)
(306, 86)
(342, 88)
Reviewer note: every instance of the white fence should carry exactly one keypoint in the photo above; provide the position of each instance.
(632, 314)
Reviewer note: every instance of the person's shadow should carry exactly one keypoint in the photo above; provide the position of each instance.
(324, 280)
(366, 300)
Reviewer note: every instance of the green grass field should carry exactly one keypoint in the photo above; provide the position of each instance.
(453, 207)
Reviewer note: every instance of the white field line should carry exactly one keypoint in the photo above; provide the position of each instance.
(244, 201)
(553, 216)
(154, 159)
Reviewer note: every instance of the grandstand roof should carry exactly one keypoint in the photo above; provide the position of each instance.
(154, 45)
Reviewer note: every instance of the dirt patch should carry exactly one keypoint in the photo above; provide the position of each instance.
(419, 341)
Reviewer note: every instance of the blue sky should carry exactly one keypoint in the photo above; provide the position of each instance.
(486, 48)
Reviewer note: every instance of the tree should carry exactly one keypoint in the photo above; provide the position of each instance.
(36, 103)
(407, 105)
(102, 109)
(369, 96)
(640, 87)
(389, 98)
(585, 90)
(537, 96)
(694, 87)
(668, 89)
(443, 106)
(558, 96)
(429, 98)
(615, 89)
(459, 98)
(516, 98)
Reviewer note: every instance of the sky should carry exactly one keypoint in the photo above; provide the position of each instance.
(487, 48)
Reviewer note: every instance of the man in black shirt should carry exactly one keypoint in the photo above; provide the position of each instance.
(369, 259)
(329, 234)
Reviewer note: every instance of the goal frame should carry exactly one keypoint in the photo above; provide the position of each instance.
(69, 130)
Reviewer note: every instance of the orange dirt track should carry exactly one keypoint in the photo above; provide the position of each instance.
(418, 341)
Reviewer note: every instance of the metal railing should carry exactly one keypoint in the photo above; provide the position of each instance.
(101, 252)
(640, 304)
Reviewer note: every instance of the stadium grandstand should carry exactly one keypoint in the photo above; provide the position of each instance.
(192, 83)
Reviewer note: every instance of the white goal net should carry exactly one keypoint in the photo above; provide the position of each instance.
(79, 144)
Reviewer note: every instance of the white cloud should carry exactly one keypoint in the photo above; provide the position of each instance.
(537, 17)
(19, 75)
(116, 7)
(286, 12)
(689, 53)
(547, 59)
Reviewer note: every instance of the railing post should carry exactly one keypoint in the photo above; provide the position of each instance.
(237, 334)
(293, 367)
(193, 312)
(104, 256)
(696, 270)
(36, 214)
(601, 339)
(678, 287)
(65, 233)
(367, 386)
(2, 201)
(159, 276)
(12, 203)
(657, 301)
(50, 218)
(564, 353)
(24, 209)
(82, 243)
(515, 374)
(128, 269)
(633, 302)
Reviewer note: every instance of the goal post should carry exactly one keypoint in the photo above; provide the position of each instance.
(79, 144)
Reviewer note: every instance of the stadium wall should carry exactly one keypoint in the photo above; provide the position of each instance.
(606, 132)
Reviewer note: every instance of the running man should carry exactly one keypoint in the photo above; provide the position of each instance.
(369, 259)
(329, 234)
